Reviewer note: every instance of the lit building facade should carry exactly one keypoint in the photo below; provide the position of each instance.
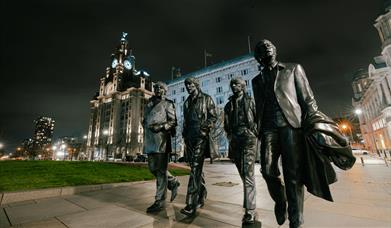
(215, 81)
(372, 93)
(115, 127)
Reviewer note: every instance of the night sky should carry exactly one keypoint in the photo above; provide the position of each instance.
(53, 53)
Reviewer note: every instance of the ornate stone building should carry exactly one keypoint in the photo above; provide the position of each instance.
(372, 92)
(115, 128)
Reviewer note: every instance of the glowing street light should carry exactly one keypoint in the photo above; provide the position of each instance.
(1, 145)
(85, 137)
(106, 132)
(358, 111)
(344, 126)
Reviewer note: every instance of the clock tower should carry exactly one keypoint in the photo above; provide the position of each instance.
(115, 131)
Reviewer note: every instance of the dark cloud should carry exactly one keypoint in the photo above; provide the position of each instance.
(54, 52)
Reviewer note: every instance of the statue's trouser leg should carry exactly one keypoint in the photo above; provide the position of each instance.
(195, 148)
(270, 153)
(157, 163)
(291, 141)
(171, 180)
(244, 148)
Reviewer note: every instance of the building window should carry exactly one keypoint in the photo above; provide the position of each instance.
(247, 82)
(183, 98)
(230, 76)
(205, 83)
(173, 92)
(183, 89)
(219, 89)
(219, 100)
(218, 79)
(359, 87)
(174, 100)
(244, 72)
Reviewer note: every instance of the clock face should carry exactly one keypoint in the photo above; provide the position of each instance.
(114, 63)
(128, 64)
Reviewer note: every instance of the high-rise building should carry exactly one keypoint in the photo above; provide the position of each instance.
(42, 138)
(43, 131)
(115, 128)
(215, 81)
(372, 92)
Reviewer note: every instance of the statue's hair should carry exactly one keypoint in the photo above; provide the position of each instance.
(162, 85)
(238, 80)
(193, 80)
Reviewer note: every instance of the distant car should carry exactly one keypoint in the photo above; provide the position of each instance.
(360, 152)
(140, 158)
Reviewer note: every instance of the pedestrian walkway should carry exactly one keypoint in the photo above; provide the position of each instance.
(362, 198)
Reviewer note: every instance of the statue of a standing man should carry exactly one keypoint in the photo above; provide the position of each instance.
(241, 129)
(159, 125)
(283, 100)
(199, 117)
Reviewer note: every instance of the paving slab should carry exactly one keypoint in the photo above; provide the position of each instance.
(49, 223)
(3, 219)
(42, 210)
(11, 197)
(110, 216)
(87, 203)
(317, 218)
(350, 209)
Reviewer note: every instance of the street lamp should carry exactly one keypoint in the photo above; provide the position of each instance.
(358, 111)
(1, 146)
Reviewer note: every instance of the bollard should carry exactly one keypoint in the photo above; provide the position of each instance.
(362, 161)
(385, 161)
(385, 154)
(378, 153)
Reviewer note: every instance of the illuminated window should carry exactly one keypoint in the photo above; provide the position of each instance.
(205, 83)
(244, 72)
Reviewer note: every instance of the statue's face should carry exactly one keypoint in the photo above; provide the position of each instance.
(237, 87)
(159, 90)
(267, 53)
(191, 88)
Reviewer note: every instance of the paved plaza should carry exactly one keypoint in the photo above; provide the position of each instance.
(362, 198)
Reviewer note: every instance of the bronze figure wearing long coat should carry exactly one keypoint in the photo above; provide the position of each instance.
(241, 130)
(199, 117)
(283, 100)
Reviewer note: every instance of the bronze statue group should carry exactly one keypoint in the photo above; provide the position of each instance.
(283, 116)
